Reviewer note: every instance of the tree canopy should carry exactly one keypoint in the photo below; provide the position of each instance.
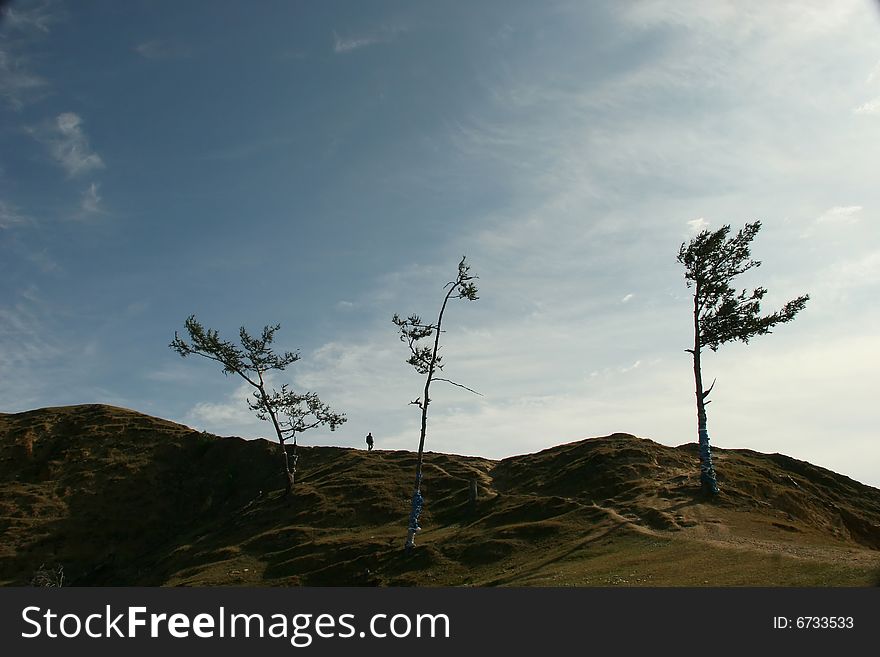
(290, 413)
(712, 261)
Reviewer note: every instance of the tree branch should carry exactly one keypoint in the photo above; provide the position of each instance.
(706, 393)
(236, 370)
(437, 378)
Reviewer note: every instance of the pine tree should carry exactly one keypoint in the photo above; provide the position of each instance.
(427, 361)
(712, 260)
(290, 413)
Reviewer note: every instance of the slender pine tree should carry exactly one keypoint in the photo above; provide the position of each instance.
(427, 361)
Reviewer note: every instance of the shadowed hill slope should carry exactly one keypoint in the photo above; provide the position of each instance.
(121, 498)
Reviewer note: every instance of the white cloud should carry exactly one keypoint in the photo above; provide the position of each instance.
(386, 34)
(841, 214)
(632, 367)
(69, 146)
(834, 219)
(627, 298)
(341, 373)
(803, 21)
(871, 107)
(91, 200)
(697, 225)
(341, 46)
(36, 17)
(228, 417)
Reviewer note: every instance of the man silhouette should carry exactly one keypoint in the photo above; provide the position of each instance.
(369, 441)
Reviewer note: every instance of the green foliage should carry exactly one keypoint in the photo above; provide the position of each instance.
(411, 331)
(291, 413)
(712, 260)
(426, 358)
(254, 357)
(296, 412)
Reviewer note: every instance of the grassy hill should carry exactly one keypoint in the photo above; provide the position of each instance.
(121, 498)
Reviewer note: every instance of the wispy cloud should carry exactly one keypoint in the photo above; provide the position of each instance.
(228, 416)
(39, 16)
(386, 34)
(11, 216)
(341, 45)
(21, 321)
(18, 85)
(16, 245)
(841, 214)
(28, 348)
(69, 146)
(834, 219)
(632, 367)
(90, 202)
(871, 107)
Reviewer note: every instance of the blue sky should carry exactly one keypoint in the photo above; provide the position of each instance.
(325, 165)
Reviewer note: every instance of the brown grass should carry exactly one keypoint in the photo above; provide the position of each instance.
(119, 498)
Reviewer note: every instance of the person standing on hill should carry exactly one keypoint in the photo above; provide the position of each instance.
(370, 441)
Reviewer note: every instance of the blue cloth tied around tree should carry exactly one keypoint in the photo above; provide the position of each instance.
(707, 471)
(417, 503)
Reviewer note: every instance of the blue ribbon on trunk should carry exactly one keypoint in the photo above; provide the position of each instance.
(707, 471)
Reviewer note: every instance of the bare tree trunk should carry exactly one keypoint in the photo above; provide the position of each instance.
(289, 472)
(707, 470)
(417, 500)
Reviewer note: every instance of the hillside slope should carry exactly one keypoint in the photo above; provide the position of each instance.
(121, 498)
